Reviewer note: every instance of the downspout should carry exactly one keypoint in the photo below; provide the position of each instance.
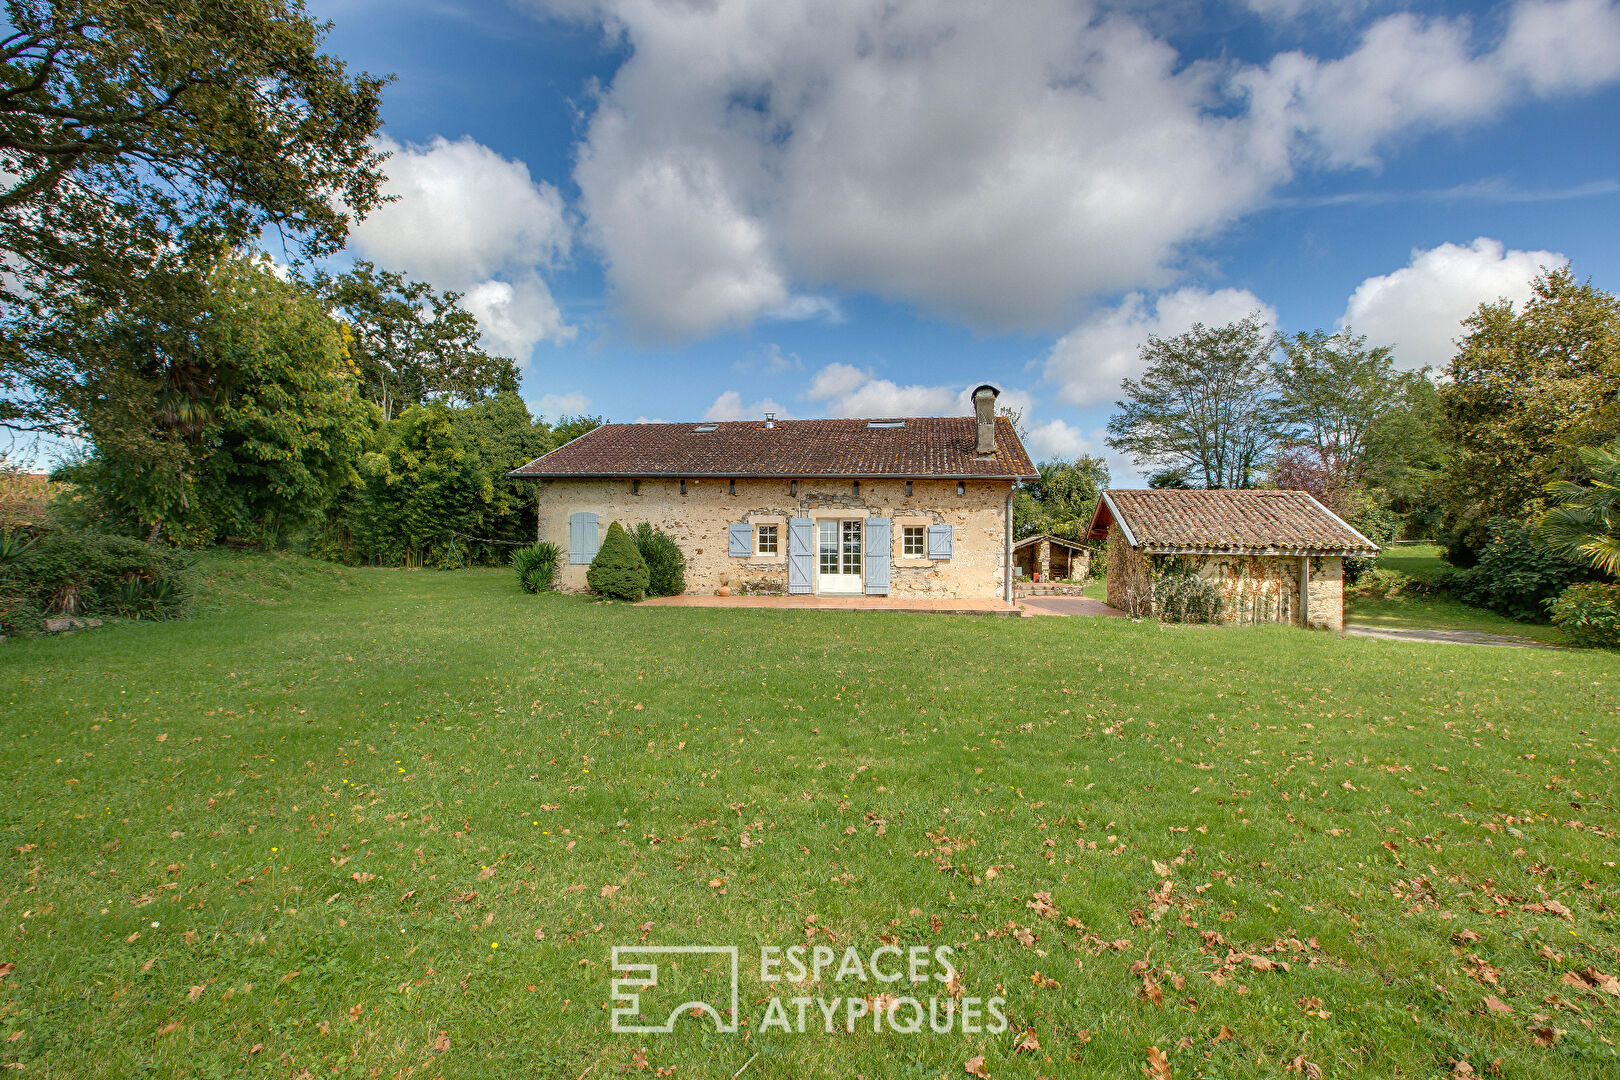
(1006, 551)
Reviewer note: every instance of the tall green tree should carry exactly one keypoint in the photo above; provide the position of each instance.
(424, 481)
(1205, 405)
(433, 472)
(1063, 500)
(1530, 386)
(1331, 392)
(240, 414)
(139, 138)
(413, 345)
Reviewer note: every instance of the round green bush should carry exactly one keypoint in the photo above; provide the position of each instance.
(618, 571)
(666, 565)
(1589, 615)
(536, 565)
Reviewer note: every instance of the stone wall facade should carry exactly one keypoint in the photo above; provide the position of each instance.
(1265, 589)
(698, 521)
(1253, 588)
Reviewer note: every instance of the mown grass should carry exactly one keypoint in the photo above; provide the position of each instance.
(1423, 561)
(391, 824)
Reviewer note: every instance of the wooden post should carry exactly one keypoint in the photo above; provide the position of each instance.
(1305, 591)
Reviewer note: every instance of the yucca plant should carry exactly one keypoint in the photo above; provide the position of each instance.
(536, 565)
(14, 544)
(1585, 527)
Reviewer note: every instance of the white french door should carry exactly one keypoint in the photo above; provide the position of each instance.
(838, 556)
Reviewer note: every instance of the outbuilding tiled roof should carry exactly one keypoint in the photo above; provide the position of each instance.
(1241, 522)
(927, 446)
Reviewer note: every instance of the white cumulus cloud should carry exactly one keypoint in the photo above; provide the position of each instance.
(996, 164)
(1411, 72)
(1060, 439)
(1419, 308)
(555, 406)
(729, 406)
(470, 220)
(1088, 363)
(845, 390)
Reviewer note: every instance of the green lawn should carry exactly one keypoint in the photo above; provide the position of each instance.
(1423, 561)
(390, 824)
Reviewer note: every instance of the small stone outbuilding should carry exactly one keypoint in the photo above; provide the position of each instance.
(887, 506)
(1273, 556)
(1047, 558)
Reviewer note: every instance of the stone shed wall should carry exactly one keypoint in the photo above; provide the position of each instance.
(1253, 588)
(698, 522)
(1265, 588)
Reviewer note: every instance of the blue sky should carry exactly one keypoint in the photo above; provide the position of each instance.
(675, 209)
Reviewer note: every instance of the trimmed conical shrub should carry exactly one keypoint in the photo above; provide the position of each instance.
(618, 570)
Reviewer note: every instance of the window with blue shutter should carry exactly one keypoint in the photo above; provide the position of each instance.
(742, 539)
(800, 537)
(582, 542)
(877, 556)
(939, 541)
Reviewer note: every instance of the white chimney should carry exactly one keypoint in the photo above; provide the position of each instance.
(984, 409)
(770, 419)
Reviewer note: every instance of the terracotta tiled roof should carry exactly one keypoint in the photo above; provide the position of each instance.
(928, 446)
(1255, 522)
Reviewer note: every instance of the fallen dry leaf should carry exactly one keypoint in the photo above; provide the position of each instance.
(975, 1067)
(1028, 1044)
(1158, 1066)
(1498, 1007)
(442, 1043)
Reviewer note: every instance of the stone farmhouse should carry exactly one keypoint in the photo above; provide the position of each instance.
(918, 506)
(1274, 556)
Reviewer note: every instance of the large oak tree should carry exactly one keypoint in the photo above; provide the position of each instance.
(140, 139)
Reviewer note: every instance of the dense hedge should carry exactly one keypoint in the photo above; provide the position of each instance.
(666, 565)
(1589, 614)
(1515, 576)
(71, 572)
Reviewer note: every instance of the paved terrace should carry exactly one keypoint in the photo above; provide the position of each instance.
(916, 605)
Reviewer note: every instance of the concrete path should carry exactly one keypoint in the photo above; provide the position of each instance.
(915, 605)
(1068, 605)
(1448, 637)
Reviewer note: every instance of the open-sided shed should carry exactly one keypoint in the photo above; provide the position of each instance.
(1050, 558)
(1273, 556)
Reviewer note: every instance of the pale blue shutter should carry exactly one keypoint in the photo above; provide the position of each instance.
(582, 542)
(939, 541)
(800, 538)
(877, 556)
(742, 539)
